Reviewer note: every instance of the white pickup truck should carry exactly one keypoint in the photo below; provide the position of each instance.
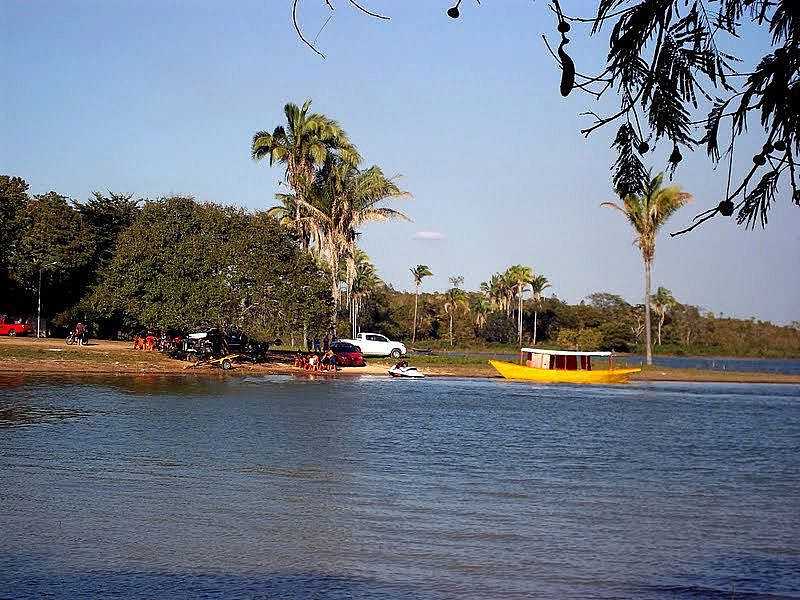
(374, 344)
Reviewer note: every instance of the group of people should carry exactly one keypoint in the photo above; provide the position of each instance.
(316, 362)
(144, 341)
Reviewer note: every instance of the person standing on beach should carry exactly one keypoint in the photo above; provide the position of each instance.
(80, 332)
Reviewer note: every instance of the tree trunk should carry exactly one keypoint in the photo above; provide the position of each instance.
(535, 319)
(414, 332)
(647, 334)
(334, 264)
(661, 318)
(451, 330)
(335, 315)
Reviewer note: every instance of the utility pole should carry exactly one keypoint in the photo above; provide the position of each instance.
(39, 309)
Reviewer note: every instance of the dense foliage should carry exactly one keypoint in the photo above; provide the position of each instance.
(331, 197)
(600, 321)
(173, 263)
(182, 264)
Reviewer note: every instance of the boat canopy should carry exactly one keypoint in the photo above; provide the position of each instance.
(563, 352)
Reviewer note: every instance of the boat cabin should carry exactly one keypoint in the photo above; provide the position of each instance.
(562, 360)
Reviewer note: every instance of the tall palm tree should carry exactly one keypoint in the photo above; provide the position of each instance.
(647, 214)
(418, 273)
(539, 284)
(342, 199)
(455, 301)
(307, 140)
(365, 280)
(495, 291)
(481, 308)
(520, 277)
(663, 301)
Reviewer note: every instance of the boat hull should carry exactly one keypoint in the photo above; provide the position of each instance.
(407, 373)
(512, 371)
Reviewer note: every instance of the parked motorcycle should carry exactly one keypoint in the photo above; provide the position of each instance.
(73, 338)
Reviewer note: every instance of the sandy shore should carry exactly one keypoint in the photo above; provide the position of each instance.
(53, 356)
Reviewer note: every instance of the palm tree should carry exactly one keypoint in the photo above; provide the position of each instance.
(455, 300)
(365, 280)
(663, 301)
(539, 284)
(342, 199)
(481, 308)
(520, 277)
(495, 292)
(647, 214)
(418, 273)
(306, 141)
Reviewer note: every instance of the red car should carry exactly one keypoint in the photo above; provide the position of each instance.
(347, 355)
(13, 329)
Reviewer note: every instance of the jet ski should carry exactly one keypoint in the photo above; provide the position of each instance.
(402, 369)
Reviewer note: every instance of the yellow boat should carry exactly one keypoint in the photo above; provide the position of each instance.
(561, 366)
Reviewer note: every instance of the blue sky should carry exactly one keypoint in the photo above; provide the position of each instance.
(162, 97)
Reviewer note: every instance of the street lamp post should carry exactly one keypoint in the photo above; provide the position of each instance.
(39, 309)
(39, 301)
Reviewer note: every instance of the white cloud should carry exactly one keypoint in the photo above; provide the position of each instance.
(428, 235)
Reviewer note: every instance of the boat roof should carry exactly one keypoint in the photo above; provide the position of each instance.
(564, 352)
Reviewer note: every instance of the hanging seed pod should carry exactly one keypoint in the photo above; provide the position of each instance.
(768, 148)
(563, 27)
(453, 12)
(725, 208)
(760, 160)
(796, 197)
(567, 69)
(676, 156)
(643, 147)
(780, 146)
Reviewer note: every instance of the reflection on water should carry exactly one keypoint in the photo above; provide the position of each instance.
(279, 487)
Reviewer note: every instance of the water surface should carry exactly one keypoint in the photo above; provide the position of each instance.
(373, 488)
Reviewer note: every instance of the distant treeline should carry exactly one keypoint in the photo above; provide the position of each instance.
(123, 265)
(602, 320)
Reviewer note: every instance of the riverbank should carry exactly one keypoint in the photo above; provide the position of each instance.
(52, 356)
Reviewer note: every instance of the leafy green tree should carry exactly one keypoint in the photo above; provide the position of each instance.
(580, 339)
(54, 246)
(647, 214)
(182, 264)
(418, 273)
(307, 140)
(13, 198)
(108, 215)
(52, 237)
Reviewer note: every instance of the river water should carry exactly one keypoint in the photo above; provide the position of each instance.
(282, 487)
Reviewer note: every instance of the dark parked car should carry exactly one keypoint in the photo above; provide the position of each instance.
(347, 355)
